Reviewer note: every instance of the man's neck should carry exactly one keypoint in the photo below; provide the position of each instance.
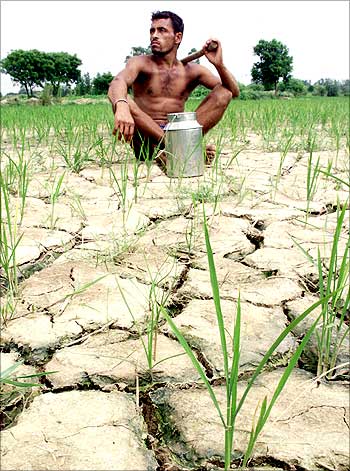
(168, 60)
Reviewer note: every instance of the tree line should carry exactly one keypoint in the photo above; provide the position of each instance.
(60, 72)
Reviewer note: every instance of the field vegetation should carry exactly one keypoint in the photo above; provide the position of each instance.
(216, 292)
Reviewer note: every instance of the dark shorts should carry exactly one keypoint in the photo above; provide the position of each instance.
(146, 148)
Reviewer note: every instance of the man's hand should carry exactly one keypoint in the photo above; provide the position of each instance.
(124, 124)
(213, 56)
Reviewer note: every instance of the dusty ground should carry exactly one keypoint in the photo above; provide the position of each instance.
(95, 271)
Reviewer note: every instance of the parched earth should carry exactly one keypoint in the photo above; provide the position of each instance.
(97, 269)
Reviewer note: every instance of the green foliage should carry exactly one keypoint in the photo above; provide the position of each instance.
(26, 68)
(275, 63)
(200, 92)
(35, 68)
(138, 51)
(101, 83)
(62, 68)
(295, 86)
(46, 95)
(84, 85)
(330, 87)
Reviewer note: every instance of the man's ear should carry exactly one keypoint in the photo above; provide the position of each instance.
(178, 38)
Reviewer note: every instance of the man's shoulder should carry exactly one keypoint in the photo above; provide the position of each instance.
(193, 68)
(141, 59)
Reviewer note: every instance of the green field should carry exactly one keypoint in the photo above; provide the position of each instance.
(173, 291)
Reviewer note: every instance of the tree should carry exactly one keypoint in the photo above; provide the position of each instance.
(84, 85)
(329, 87)
(275, 63)
(293, 85)
(138, 51)
(62, 68)
(101, 83)
(35, 68)
(26, 68)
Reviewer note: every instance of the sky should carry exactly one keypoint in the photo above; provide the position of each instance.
(102, 33)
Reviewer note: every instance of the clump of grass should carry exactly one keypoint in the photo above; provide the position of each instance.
(9, 240)
(333, 287)
(228, 413)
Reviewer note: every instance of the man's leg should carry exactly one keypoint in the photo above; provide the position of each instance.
(144, 123)
(212, 108)
(209, 113)
(148, 140)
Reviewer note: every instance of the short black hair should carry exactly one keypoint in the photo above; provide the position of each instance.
(178, 24)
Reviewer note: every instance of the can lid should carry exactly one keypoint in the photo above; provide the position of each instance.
(184, 116)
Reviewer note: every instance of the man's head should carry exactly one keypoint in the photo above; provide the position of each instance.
(166, 32)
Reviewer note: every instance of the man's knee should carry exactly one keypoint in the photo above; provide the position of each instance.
(223, 96)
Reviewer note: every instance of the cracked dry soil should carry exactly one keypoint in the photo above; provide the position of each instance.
(86, 300)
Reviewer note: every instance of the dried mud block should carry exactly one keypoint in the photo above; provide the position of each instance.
(287, 262)
(115, 226)
(108, 358)
(87, 190)
(60, 216)
(262, 214)
(186, 235)
(307, 428)
(129, 172)
(34, 241)
(260, 162)
(294, 198)
(231, 276)
(76, 430)
(38, 332)
(163, 209)
(235, 278)
(260, 327)
(152, 265)
(281, 234)
(69, 297)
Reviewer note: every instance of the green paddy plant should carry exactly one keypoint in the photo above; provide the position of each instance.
(312, 177)
(333, 282)
(9, 377)
(333, 287)
(9, 240)
(158, 299)
(148, 335)
(54, 195)
(283, 156)
(121, 187)
(229, 411)
(74, 150)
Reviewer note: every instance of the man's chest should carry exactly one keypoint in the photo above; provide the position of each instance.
(162, 82)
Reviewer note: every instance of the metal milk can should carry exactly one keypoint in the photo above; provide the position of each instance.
(184, 145)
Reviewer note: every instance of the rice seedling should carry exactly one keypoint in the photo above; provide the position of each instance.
(333, 287)
(54, 195)
(8, 377)
(74, 149)
(283, 156)
(228, 412)
(122, 188)
(313, 171)
(157, 300)
(9, 240)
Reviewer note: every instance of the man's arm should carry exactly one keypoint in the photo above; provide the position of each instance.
(118, 96)
(226, 77)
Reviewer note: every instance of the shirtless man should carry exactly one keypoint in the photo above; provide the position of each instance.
(161, 84)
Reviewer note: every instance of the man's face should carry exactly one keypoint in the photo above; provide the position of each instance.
(163, 38)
